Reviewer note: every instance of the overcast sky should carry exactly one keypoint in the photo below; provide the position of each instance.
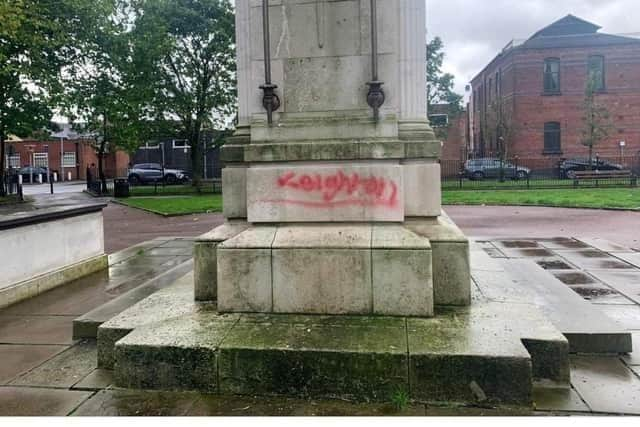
(474, 31)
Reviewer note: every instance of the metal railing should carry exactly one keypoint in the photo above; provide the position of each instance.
(516, 173)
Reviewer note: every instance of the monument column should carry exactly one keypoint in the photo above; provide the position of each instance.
(413, 122)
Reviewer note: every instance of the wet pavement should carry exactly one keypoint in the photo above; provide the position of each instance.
(46, 372)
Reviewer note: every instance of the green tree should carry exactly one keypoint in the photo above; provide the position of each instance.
(596, 118)
(186, 48)
(440, 84)
(102, 87)
(37, 39)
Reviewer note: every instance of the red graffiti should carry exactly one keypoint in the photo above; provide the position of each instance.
(339, 189)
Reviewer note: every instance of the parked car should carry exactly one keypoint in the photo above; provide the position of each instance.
(28, 171)
(144, 173)
(569, 167)
(487, 167)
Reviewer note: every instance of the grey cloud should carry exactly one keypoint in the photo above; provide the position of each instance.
(474, 31)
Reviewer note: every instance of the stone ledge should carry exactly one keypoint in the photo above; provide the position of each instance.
(37, 285)
(449, 357)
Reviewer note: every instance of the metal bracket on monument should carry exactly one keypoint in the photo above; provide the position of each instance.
(375, 97)
(270, 100)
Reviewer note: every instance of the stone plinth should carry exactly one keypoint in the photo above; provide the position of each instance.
(326, 269)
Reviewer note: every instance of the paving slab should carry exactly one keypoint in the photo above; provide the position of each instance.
(558, 399)
(606, 384)
(562, 243)
(592, 259)
(132, 251)
(26, 401)
(603, 244)
(632, 258)
(109, 403)
(17, 359)
(86, 326)
(98, 379)
(24, 329)
(587, 328)
(63, 370)
(627, 316)
(215, 405)
(625, 282)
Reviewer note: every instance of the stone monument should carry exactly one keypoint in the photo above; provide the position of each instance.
(332, 181)
(336, 273)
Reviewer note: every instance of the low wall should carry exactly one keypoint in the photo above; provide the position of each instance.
(45, 248)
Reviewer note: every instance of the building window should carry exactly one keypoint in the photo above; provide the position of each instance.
(498, 83)
(41, 160)
(69, 160)
(551, 75)
(552, 140)
(596, 71)
(148, 146)
(439, 120)
(13, 161)
(181, 143)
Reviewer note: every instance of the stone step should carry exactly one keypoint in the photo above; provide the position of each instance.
(86, 326)
(490, 351)
(174, 300)
(522, 281)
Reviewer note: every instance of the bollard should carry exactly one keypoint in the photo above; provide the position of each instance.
(39, 178)
(51, 183)
(20, 180)
(68, 176)
(55, 176)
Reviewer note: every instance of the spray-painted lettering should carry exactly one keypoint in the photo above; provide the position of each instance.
(338, 189)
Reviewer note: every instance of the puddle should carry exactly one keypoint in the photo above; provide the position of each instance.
(494, 253)
(592, 254)
(519, 244)
(569, 243)
(536, 252)
(589, 292)
(574, 278)
(554, 264)
(618, 265)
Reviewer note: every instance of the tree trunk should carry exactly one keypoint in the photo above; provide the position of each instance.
(196, 154)
(103, 143)
(2, 165)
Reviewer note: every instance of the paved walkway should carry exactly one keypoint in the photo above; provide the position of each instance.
(514, 222)
(46, 372)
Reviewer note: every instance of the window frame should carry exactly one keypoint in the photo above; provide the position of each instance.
(146, 146)
(603, 81)
(67, 155)
(545, 73)
(185, 144)
(557, 148)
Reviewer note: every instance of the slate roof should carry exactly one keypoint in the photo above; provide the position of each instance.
(572, 31)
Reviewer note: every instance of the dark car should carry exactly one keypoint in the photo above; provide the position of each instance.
(487, 167)
(569, 167)
(144, 173)
(28, 171)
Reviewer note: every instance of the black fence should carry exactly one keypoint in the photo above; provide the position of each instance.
(12, 185)
(124, 187)
(493, 173)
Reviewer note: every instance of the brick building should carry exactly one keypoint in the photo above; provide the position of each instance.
(535, 89)
(76, 152)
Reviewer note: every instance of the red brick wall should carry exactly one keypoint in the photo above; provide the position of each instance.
(85, 155)
(523, 79)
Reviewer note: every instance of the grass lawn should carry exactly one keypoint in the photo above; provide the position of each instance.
(170, 206)
(621, 198)
(171, 190)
